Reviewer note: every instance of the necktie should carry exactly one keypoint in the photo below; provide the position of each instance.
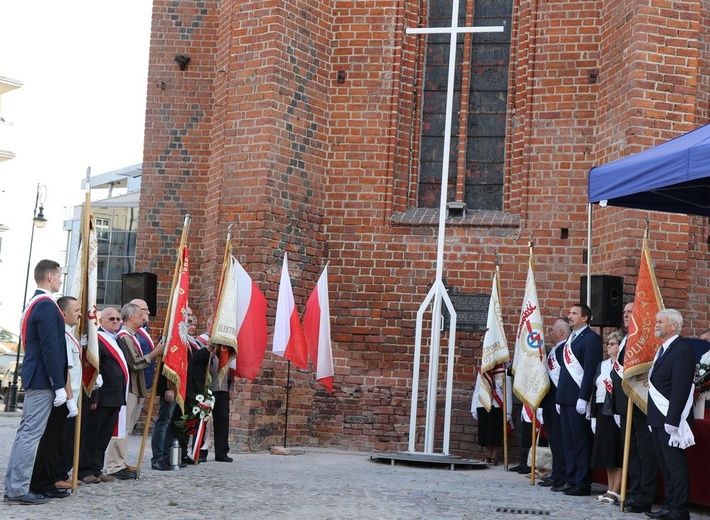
(571, 339)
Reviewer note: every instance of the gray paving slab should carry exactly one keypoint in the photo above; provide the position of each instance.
(320, 484)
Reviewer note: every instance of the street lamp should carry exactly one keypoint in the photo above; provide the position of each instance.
(38, 220)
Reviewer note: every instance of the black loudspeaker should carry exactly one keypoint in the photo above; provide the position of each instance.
(143, 286)
(607, 300)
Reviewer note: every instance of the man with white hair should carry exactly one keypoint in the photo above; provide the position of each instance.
(670, 399)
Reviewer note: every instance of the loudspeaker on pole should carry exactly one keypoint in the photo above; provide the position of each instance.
(607, 300)
(143, 286)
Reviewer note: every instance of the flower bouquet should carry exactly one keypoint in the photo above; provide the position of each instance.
(198, 411)
(702, 377)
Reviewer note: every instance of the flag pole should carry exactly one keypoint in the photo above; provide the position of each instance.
(225, 259)
(288, 390)
(82, 323)
(533, 412)
(159, 360)
(627, 447)
(505, 383)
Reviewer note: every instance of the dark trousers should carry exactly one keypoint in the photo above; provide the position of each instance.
(66, 459)
(524, 435)
(49, 451)
(220, 424)
(554, 437)
(676, 475)
(577, 444)
(643, 468)
(100, 424)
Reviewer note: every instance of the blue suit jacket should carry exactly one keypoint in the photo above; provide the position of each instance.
(672, 375)
(587, 348)
(45, 363)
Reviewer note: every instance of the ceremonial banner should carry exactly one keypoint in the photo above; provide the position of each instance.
(175, 356)
(642, 344)
(316, 328)
(289, 341)
(531, 381)
(84, 286)
(495, 346)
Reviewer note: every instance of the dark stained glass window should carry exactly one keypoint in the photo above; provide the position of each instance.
(485, 126)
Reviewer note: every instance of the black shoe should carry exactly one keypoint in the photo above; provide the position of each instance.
(203, 458)
(56, 493)
(524, 470)
(226, 458)
(160, 465)
(636, 507)
(187, 460)
(28, 499)
(561, 487)
(515, 468)
(546, 482)
(124, 474)
(578, 492)
(658, 513)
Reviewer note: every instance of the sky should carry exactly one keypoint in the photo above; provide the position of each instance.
(84, 66)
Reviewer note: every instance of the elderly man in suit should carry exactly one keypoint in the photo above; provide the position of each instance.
(670, 400)
(581, 356)
(44, 372)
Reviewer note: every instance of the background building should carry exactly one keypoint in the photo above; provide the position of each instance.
(116, 221)
(316, 128)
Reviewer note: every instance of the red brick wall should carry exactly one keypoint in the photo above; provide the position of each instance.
(258, 132)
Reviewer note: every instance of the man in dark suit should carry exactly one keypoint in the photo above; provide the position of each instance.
(643, 469)
(101, 416)
(44, 371)
(670, 400)
(581, 356)
(559, 332)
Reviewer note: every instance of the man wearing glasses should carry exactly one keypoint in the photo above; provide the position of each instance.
(110, 321)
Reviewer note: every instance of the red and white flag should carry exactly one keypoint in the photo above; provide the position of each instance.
(240, 322)
(495, 347)
(84, 287)
(642, 344)
(316, 328)
(175, 356)
(289, 341)
(531, 381)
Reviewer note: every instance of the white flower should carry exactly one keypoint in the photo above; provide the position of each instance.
(199, 398)
(195, 410)
(701, 372)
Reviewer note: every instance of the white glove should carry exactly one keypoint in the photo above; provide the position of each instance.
(99, 382)
(84, 340)
(594, 425)
(60, 397)
(557, 407)
(510, 418)
(617, 420)
(475, 414)
(73, 410)
(670, 430)
(581, 407)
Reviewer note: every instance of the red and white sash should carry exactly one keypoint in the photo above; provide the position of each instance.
(26, 314)
(110, 343)
(619, 369)
(146, 336)
(136, 344)
(553, 366)
(683, 437)
(572, 364)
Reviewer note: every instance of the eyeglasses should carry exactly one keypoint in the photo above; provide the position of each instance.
(113, 319)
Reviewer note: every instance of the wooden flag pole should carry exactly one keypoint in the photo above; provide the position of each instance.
(159, 360)
(533, 447)
(627, 445)
(86, 217)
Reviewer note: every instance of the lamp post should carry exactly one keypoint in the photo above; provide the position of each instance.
(39, 221)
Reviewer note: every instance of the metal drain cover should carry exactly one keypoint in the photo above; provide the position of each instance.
(513, 511)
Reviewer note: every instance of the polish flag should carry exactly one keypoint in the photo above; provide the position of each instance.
(289, 341)
(316, 328)
(251, 325)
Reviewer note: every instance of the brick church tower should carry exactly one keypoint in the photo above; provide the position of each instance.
(316, 128)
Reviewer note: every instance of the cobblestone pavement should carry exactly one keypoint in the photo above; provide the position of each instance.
(318, 484)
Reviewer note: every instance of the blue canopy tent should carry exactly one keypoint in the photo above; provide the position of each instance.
(672, 177)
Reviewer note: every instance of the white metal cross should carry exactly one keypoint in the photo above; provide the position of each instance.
(438, 290)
